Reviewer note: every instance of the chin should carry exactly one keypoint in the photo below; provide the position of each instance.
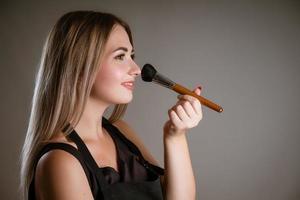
(124, 99)
(128, 100)
(119, 96)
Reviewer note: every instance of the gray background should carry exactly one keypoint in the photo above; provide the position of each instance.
(245, 54)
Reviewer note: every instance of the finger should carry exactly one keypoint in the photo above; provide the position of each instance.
(191, 112)
(187, 97)
(198, 107)
(194, 102)
(174, 117)
(180, 111)
(197, 90)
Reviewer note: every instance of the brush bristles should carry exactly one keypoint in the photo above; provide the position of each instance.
(148, 72)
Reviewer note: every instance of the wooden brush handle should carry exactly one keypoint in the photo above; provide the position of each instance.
(182, 90)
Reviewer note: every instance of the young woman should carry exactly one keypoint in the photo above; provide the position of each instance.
(71, 151)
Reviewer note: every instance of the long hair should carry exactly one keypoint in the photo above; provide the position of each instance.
(68, 67)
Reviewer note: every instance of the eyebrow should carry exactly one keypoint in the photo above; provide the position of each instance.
(124, 49)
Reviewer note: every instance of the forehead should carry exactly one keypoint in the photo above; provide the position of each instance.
(118, 37)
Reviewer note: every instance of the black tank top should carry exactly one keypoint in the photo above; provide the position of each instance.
(136, 179)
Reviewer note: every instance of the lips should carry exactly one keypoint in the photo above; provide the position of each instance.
(128, 84)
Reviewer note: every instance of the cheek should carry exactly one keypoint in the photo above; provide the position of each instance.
(110, 76)
(108, 83)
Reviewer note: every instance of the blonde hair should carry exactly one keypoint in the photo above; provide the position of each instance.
(68, 67)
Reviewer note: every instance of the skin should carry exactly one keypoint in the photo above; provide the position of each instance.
(179, 180)
(59, 174)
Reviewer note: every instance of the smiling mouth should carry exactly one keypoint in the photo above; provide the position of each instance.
(129, 86)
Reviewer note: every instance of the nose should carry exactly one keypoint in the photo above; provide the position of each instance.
(135, 69)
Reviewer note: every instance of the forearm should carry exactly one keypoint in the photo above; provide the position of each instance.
(179, 181)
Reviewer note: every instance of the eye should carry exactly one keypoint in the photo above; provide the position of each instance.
(120, 57)
(132, 56)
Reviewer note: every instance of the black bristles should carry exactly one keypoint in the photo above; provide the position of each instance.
(148, 72)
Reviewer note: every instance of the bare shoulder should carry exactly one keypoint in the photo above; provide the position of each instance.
(59, 175)
(129, 132)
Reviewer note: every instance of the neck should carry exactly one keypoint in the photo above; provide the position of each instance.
(90, 123)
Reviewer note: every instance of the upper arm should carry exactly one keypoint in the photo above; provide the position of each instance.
(60, 176)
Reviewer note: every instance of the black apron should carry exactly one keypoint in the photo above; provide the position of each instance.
(101, 189)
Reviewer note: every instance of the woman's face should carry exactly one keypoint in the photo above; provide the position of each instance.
(117, 66)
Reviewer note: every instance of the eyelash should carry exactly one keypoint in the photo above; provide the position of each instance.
(119, 57)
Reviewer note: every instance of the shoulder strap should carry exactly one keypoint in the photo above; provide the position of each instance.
(133, 148)
(83, 149)
(89, 160)
(65, 147)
